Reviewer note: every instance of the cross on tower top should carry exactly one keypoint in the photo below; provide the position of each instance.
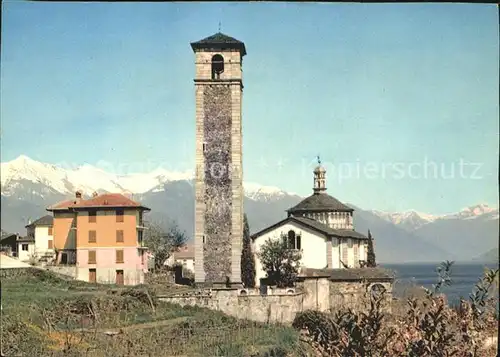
(219, 26)
(319, 160)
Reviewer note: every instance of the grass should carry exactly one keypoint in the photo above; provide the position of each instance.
(46, 315)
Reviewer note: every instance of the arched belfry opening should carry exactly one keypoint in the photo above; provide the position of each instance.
(217, 66)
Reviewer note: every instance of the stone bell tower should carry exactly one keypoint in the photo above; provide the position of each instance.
(219, 172)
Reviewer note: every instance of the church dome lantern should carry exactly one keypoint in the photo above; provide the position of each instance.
(319, 178)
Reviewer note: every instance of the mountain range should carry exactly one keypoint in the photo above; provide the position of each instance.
(29, 186)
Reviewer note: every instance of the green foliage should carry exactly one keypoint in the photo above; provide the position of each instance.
(370, 259)
(280, 263)
(430, 328)
(247, 258)
(44, 315)
(480, 296)
(161, 243)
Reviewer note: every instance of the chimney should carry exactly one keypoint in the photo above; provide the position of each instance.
(78, 196)
(95, 194)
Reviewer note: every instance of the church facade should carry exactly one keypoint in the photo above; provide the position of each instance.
(321, 227)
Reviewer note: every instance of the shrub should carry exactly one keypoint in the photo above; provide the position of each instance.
(429, 328)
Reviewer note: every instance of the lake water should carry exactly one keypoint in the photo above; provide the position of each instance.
(463, 276)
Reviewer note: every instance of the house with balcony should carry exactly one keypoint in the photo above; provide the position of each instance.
(102, 237)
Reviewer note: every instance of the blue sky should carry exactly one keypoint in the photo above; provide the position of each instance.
(397, 86)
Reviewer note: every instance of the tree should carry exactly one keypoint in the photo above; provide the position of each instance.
(163, 242)
(247, 258)
(280, 263)
(370, 263)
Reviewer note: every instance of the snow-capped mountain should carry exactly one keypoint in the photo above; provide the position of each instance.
(409, 220)
(29, 186)
(413, 220)
(88, 178)
(264, 193)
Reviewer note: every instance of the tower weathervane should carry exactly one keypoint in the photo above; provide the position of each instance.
(319, 160)
(219, 26)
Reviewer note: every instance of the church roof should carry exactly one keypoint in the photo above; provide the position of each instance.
(316, 226)
(320, 202)
(219, 41)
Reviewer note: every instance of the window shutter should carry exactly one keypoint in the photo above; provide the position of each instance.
(92, 257)
(119, 256)
(92, 237)
(119, 236)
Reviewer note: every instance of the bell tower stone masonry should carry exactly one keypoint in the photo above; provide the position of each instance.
(219, 172)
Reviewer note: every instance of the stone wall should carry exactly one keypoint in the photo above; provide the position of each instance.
(275, 308)
(218, 194)
(354, 295)
(280, 305)
(67, 270)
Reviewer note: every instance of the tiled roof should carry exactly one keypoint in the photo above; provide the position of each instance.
(320, 202)
(352, 274)
(315, 225)
(219, 41)
(47, 220)
(115, 200)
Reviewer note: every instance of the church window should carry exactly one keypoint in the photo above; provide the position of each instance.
(217, 66)
(293, 241)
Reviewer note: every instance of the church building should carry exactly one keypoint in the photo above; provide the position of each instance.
(321, 227)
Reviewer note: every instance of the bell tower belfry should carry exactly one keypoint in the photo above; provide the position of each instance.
(219, 172)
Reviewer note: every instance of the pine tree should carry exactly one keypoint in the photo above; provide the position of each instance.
(371, 263)
(247, 257)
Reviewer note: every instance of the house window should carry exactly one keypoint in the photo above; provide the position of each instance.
(119, 236)
(140, 218)
(293, 240)
(119, 256)
(119, 215)
(92, 216)
(92, 257)
(92, 237)
(64, 258)
(139, 237)
(50, 231)
(24, 247)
